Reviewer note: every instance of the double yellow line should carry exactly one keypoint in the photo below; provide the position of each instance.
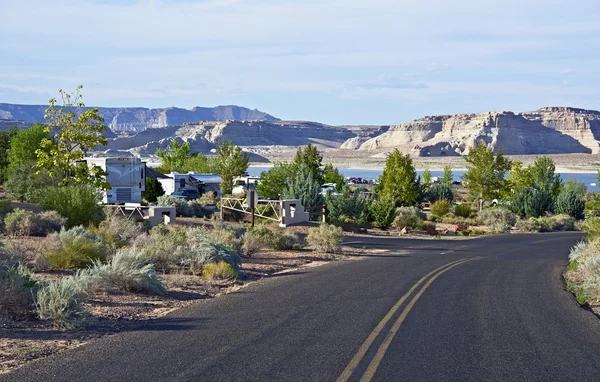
(374, 364)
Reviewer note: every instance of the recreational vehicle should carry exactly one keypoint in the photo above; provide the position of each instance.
(191, 181)
(126, 176)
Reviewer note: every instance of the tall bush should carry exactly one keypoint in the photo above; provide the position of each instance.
(383, 212)
(538, 203)
(305, 187)
(440, 191)
(572, 203)
(440, 207)
(78, 204)
(344, 208)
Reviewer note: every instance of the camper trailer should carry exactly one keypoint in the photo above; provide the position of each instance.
(126, 176)
(191, 181)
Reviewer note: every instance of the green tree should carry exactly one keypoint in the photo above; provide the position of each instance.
(5, 142)
(174, 157)
(383, 212)
(200, 163)
(519, 177)
(544, 176)
(425, 181)
(332, 175)
(26, 185)
(153, 190)
(398, 181)
(447, 177)
(77, 130)
(577, 187)
(231, 162)
(310, 157)
(305, 187)
(24, 145)
(274, 181)
(485, 176)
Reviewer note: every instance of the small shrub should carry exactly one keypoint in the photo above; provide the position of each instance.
(344, 208)
(440, 191)
(463, 210)
(219, 271)
(440, 207)
(257, 239)
(200, 251)
(225, 236)
(186, 208)
(478, 232)
(208, 199)
(383, 212)
(78, 204)
(47, 222)
(408, 221)
(61, 301)
(449, 219)
(162, 247)
(74, 248)
(325, 238)
(583, 250)
(466, 232)
(18, 222)
(571, 203)
(285, 241)
(128, 270)
(492, 216)
(403, 211)
(428, 226)
(562, 222)
(117, 230)
(17, 288)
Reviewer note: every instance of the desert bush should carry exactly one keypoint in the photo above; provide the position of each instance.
(78, 204)
(17, 289)
(61, 301)
(440, 208)
(466, 232)
(440, 191)
(208, 199)
(343, 209)
(538, 203)
(219, 271)
(428, 226)
(200, 251)
(47, 222)
(583, 250)
(225, 236)
(383, 212)
(408, 221)
(325, 238)
(285, 241)
(562, 222)
(128, 270)
(450, 219)
(162, 247)
(491, 216)
(73, 248)
(117, 230)
(186, 208)
(463, 210)
(18, 222)
(547, 224)
(571, 203)
(257, 239)
(402, 211)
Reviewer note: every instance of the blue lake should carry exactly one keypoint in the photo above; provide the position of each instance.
(585, 178)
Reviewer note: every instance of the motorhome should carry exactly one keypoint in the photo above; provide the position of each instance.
(243, 184)
(126, 176)
(191, 181)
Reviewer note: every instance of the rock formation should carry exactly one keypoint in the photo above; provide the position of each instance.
(550, 130)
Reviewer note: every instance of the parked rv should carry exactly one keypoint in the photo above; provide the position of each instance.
(243, 184)
(200, 183)
(126, 176)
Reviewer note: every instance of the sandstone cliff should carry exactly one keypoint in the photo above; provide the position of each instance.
(549, 130)
(135, 119)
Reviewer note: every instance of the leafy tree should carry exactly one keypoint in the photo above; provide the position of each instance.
(274, 181)
(519, 178)
(231, 162)
(305, 187)
(384, 212)
(200, 163)
(425, 181)
(5, 142)
(25, 143)
(77, 130)
(447, 177)
(174, 158)
(332, 175)
(310, 157)
(398, 181)
(26, 185)
(79, 204)
(485, 172)
(153, 190)
(544, 177)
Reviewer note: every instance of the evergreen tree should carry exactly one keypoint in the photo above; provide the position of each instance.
(398, 181)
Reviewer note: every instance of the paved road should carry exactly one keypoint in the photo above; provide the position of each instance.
(501, 314)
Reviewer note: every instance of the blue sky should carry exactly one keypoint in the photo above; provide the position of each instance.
(332, 61)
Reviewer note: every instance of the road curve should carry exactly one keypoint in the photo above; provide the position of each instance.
(492, 308)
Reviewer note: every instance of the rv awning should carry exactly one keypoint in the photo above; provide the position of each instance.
(151, 173)
(207, 178)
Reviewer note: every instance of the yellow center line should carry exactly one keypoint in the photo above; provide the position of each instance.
(372, 368)
(369, 341)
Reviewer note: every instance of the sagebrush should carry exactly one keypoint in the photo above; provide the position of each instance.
(325, 238)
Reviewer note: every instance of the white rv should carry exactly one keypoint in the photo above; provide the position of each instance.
(126, 176)
(191, 181)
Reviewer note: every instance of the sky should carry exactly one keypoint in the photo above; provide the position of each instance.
(331, 61)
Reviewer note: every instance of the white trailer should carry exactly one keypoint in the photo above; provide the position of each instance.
(191, 181)
(126, 176)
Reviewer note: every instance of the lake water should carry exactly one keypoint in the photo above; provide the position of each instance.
(585, 178)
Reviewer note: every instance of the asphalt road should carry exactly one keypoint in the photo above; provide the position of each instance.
(501, 314)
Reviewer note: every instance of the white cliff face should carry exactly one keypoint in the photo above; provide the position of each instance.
(545, 131)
